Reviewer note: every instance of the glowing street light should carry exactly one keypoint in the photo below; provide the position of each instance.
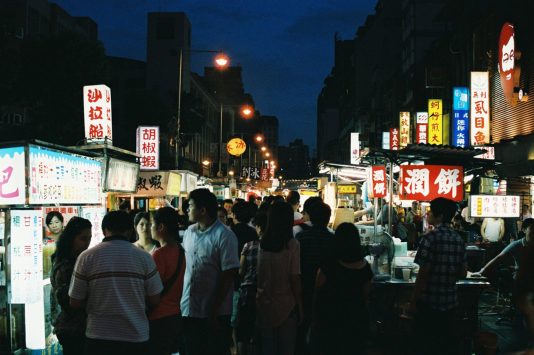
(267, 154)
(247, 111)
(263, 149)
(206, 162)
(231, 173)
(222, 61)
(258, 138)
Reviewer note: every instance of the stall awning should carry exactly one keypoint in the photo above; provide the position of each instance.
(352, 173)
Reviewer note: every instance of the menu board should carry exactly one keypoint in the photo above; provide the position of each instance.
(121, 176)
(26, 250)
(58, 177)
(494, 206)
(12, 177)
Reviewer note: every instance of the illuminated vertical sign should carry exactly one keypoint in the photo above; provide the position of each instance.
(435, 121)
(148, 147)
(421, 127)
(97, 113)
(12, 176)
(460, 117)
(354, 148)
(385, 140)
(379, 181)
(404, 128)
(480, 125)
(394, 139)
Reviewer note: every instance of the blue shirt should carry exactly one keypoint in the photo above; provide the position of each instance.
(207, 253)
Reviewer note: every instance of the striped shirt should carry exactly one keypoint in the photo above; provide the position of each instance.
(114, 278)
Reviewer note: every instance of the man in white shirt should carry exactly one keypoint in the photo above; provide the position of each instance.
(212, 263)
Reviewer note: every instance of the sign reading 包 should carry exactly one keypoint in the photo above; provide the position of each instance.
(12, 176)
(97, 113)
(427, 182)
(148, 147)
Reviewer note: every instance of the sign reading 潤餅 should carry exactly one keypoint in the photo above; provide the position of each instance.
(427, 182)
(379, 182)
(97, 113)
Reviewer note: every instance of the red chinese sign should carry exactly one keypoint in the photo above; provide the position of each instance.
(480, 122)
(393, 139)
(97, 113)
(427, 182)
(379, 181)
(264, 174)
(148, 147)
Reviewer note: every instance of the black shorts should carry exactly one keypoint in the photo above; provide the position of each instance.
(165, 335)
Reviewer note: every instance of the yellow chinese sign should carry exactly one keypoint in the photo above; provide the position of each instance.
(236, 147)
(435, 121)
(404, 127)
(346, 189)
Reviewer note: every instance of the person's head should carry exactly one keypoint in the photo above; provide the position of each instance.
(142, 224)
(320, 214)
(457, 222)
(308, 205)
(442, 210)
(117, 223)
(185, 206)
(242, 212)
(54, 222)
(279, 229)
(347, 245)
(268, 199)
(125, 206)
(202, 206)
(528, 228)
(526, 208)
(260, 222)
(228, 204)
(257, 201)
(278, 198)
(293, 198)
(165, 224)
(222, 215)
(74, 239)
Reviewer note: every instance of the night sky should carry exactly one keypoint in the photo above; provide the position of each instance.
(286, 47)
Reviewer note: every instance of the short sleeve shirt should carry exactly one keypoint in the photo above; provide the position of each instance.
(208, 253)
(114, 278)
(444, 250)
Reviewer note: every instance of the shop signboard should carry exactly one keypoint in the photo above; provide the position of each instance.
(393, 139)
(460, 117)
(97, 113)
(251, 172)
(62, 178)
(218, 191)
(506, 60)
(158, 184)
(95, 216)
(494, 206)
(26, 249)
(404, 128)
(12, 176)
(354, 147)
(148, 147)
(236, 147)
(174, 184)
(490, 152)
(385, 140)
(346, 189)
(379, 182)
(421, 127)
(480, 119)
(264, 174)
(121, 176)
(435, 121)
(427, 182)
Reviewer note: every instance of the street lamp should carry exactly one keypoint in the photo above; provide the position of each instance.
(206, 163)
(258, 138)
(247, 111)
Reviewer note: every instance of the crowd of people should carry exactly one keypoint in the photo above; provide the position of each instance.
(256, 276)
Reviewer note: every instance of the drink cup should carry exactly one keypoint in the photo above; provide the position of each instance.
(406, 274)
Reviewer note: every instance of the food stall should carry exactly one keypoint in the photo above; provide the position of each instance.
(35, 176)
(156, 189)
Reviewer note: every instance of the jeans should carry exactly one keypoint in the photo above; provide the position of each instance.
(202, 339)
(280, 340)
(435, 331)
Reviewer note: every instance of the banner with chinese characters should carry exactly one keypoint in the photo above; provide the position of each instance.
(346, 189)
(121, 176)
(494, 206)
(435, 121)
(251, 172)
(97, 113)
(148, 147)
(12, 176)
(264, 174)
(26, 250)
(95, 216)
(404, 128)
(421, 127)
(480, 119)
(378, 182)
(393, 139)
(385, 140)
(427, 182)
(62, 178)
(354, 148)
(490, 152)
(158, 184)
(460, 117)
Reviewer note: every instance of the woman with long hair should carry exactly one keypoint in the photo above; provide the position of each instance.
(69, 324)
(279, 295)
(341, 293)
(144, 236)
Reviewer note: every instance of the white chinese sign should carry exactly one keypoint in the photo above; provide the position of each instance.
(121, 176)
(95, 216)
(97, 113)
(26, 250)
(354, 148)
(148, 147)
(12, 176)
(494, 206)
(480, 118)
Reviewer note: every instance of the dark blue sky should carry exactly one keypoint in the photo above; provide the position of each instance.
(284, 46)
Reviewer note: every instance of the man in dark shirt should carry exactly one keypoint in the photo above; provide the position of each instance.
(243, 231)
(316, 245)
(442, 262)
